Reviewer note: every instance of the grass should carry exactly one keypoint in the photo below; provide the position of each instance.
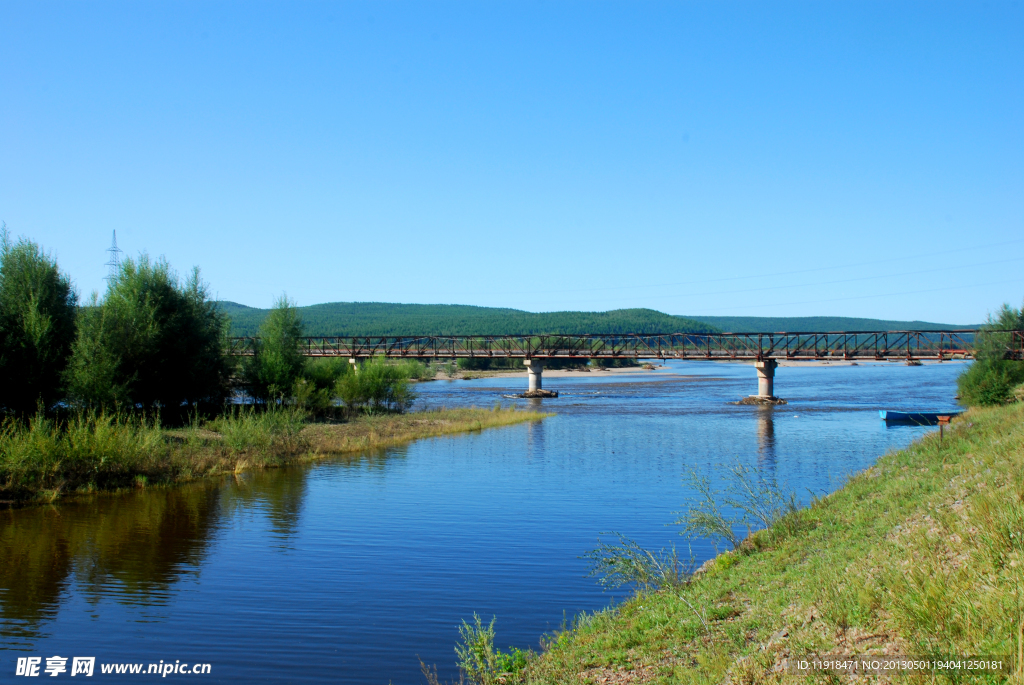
(44, 460)
(922, 554)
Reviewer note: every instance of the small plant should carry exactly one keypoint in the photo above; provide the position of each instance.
(628, 563)
(757, 502)
(479, 662)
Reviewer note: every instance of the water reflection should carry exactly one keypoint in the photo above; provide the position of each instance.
(131, 548)
(134, 547)
(766, 439)
(279, 497)
(535, 437)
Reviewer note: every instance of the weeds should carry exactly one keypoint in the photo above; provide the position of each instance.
(627, 563)
(275, 429)
(479, 662)
(47, 454)
(758, 502)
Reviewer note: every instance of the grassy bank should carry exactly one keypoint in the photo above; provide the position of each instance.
(46, 459)
(921, 554)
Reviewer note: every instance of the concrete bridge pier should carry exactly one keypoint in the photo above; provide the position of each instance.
(535, 367)
(766, 378)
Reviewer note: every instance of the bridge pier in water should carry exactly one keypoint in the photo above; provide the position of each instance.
(766, 378)
(535, 368)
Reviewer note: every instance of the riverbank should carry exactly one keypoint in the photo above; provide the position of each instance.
(43, 462)
(920, 555)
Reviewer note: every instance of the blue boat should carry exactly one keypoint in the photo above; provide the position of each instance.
(915, 418)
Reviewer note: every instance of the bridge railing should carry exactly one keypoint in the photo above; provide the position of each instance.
(868, 345)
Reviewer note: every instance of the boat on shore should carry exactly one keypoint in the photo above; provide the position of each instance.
(915, 418)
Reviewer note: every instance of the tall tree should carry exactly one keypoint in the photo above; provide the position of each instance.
(152, 341)
(37, 326)
(276, 364)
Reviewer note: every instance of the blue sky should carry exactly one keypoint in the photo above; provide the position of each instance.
(717, 158)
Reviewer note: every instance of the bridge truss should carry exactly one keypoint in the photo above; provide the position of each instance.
(860, 345)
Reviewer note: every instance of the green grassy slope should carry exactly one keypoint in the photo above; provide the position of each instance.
(919, 555)
(376, 318)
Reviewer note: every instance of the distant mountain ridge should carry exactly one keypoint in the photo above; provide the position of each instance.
(378, 318)
(798, 324)
(384, 319)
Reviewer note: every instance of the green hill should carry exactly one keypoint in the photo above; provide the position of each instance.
(379, 318)
(797, 324)
(382, 318)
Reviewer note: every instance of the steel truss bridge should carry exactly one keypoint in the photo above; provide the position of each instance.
(859, 345)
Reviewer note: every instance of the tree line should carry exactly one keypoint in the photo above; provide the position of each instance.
(157, 343)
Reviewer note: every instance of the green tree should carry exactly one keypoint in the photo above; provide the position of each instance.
(151, 342)
(37, 326)
(276, 363)
(991, 378)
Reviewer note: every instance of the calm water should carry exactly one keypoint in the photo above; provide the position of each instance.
(348, 570)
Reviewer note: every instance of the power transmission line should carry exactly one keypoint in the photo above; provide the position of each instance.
(114, 263)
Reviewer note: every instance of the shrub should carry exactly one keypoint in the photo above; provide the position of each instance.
(377, 387)
(989, 381)
(37, 326)
(614, 363)
(276, 363)
(489, 363)
(151, 342)
(325, 372)
(991, 378)
(417, 370)
(314, 391)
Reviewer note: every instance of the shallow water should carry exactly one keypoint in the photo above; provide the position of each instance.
(350, 569)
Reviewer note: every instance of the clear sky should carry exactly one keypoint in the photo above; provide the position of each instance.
(717, 158)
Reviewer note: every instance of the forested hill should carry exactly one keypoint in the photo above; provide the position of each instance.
(380, 318)
(797, 324)
(377, 318)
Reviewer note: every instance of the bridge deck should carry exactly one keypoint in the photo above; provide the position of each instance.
(865, 345)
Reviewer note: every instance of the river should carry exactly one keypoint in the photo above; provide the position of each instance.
(351, 569)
